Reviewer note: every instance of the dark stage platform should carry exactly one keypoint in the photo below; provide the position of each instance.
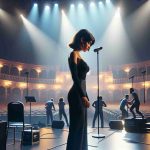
(55, 139)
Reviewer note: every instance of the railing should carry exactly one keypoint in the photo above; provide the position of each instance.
(126, 80)
(24, 79)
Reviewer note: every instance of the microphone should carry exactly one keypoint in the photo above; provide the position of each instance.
(98, 49)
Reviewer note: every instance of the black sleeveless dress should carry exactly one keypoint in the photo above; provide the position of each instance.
(77, 138)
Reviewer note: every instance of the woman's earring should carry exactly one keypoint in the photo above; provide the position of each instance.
(83, 44)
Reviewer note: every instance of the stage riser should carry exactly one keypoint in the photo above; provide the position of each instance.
(135, 125)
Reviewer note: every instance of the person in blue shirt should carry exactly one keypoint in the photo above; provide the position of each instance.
(101, 105)
(49, 106)
(123, 105)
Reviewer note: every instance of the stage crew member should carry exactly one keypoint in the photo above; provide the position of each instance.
(62, 112)
(100, 112)
(49, 106)
(135, 103)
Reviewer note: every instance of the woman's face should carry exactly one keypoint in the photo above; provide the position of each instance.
(86, 46)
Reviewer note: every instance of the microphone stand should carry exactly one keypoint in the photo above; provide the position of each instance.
(27, 81)
(98, 135)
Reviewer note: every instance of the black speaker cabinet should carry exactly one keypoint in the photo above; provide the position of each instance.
(58, 124)
(135, 125)
(116, 124)
(30, 137)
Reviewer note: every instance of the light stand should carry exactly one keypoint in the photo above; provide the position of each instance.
(143, 73)
(27, 92)
(98, 135)
(132, 79)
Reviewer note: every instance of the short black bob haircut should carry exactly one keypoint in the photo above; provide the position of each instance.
(82, 34)
(131, 90)
(61, 99)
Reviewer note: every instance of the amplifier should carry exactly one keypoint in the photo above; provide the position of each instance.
(135, 125)
(30, 137)
(116, 124)
(58, 124)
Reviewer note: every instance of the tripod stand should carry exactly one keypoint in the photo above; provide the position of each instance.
(98, 96)
(30, 99)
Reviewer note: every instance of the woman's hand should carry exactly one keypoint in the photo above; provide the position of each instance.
(86, 102)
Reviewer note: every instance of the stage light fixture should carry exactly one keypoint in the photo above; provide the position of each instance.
(35, 4)
(56, 5)
(100, 2)
(47, 7)
(72, 5)
(80, 5)
(21, 15)
(92, 3)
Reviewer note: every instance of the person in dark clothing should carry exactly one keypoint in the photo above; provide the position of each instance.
(100, 113)
(135, 103)
(62, 112)
(123, 104)
(77, 95)
(49, 106)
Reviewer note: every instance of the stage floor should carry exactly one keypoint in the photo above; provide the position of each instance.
(55, 139)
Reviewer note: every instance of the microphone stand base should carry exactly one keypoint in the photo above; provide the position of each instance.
(98, 136)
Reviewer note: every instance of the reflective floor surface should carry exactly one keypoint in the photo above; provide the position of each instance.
(55, 139)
